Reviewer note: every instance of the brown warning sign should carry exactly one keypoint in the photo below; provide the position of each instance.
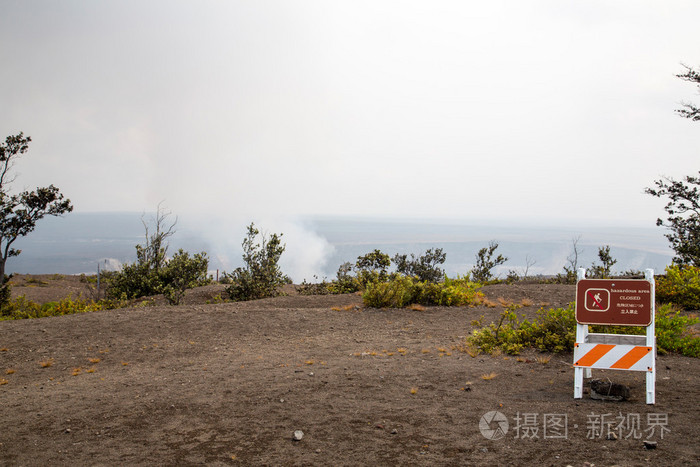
(626, 302)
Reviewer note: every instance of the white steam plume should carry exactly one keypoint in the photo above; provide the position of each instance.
(305, 255)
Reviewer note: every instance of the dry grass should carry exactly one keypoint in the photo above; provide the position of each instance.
(414, 390)
(526, 302)
(94, 360)
(543, 360)
(489, 376)
(417, 307)
(503, 302)
(488, 303)
(77, 371)
(469, 349)
(4, 349)
(46, 363)
(353, 307)
(9, 371)
(3, 381)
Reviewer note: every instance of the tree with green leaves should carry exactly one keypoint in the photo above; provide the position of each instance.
(372, 267)
(485, 262)
(20, 212)
(425, 267)
(153, 272)
(604, 269)
(690, 111)
(683, 209)
(261, 276)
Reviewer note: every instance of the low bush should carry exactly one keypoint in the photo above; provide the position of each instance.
(261, 277)
(482, 271)
(554, 330)
(153, 273)
(345, 282)
(396, 293)
(425, 267)
(674, 332)
(314, 288)
(604, 269)
(680, 286)
(402, 291)
(372, 268)
(21, 308)
(176, 275)
(182, 273)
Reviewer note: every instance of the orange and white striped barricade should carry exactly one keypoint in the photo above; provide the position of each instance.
(623, 302)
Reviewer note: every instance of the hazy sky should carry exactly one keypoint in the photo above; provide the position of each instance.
(492, 109)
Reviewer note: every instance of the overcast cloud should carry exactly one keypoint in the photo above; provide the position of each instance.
(262, 109)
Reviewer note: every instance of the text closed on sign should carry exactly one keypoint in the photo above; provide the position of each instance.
(610, 301)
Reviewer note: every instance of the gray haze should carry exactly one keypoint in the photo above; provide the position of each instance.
(231, 112)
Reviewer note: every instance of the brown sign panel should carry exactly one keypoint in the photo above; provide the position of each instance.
(625, 302)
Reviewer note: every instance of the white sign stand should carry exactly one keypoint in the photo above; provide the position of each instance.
(617, 346)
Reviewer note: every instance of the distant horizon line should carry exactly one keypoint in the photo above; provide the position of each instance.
(563, 222)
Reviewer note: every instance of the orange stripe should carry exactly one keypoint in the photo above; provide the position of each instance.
(631, 357)
(594, 354)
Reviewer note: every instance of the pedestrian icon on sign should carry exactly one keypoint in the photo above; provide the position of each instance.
(597, 300)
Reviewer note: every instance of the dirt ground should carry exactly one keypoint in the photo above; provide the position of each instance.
(230, 383)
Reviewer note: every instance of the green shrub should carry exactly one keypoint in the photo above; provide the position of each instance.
(674, 332)
(451, 292)
(178, 274)
(485, 262)
(182, 273)
(132, 281)
(425, 267)
(153, 273)
(396, 293)
(681, 286)
(372, 267)
(314, 288)
(554, 330)
(604, 269)
(21, 308)
(345, 282)
(5, 295)
(261, 277)
(402, 291)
